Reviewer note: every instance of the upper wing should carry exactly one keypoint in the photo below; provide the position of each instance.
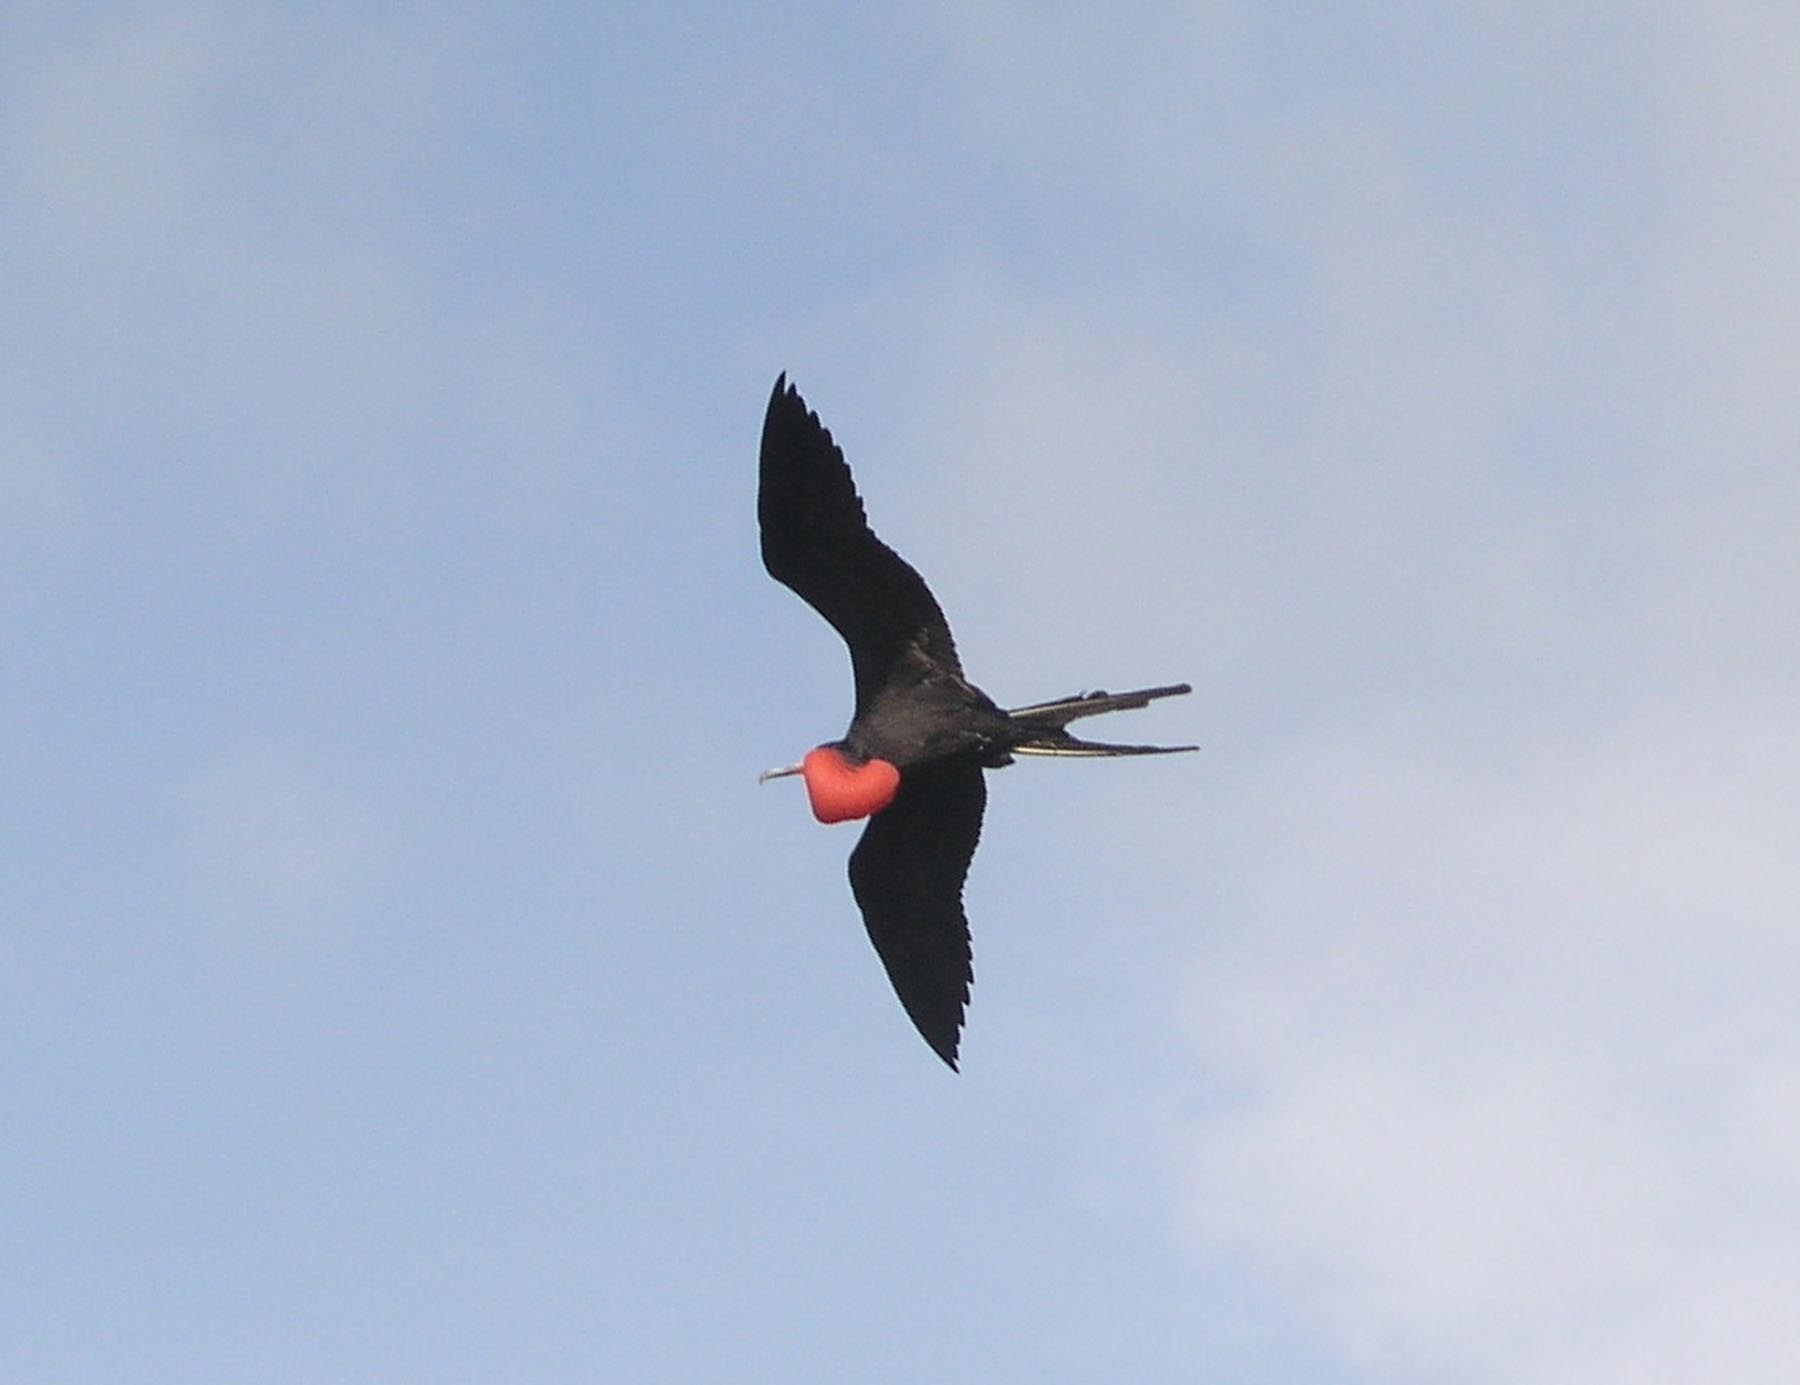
(815, 539)
(907, 874)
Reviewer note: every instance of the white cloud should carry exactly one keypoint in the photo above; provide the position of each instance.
(1509, 1011)
(1518, 1046)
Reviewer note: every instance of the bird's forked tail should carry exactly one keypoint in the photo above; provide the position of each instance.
(1045, 723)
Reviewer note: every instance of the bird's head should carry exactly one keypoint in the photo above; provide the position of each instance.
(842, 785)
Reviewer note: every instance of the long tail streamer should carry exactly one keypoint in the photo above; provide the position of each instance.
(1054, 717)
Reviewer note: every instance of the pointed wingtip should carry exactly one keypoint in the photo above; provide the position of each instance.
(943, 1038)
(942, 1032)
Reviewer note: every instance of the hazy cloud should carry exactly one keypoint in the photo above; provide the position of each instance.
(1510, 1014)
(1518, 1040)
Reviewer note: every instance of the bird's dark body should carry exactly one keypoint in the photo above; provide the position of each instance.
(914, 710)
(925, 713)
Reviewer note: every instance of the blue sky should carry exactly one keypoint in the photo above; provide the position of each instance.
(402, 976)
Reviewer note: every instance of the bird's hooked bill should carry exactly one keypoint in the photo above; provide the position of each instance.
(769, 774)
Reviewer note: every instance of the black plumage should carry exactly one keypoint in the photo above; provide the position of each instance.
(914, 711)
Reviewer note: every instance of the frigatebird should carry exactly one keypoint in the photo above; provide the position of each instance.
(913, 758)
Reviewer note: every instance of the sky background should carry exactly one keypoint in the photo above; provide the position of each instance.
(402, 976)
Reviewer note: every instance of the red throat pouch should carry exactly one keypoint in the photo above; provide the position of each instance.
(840, 790)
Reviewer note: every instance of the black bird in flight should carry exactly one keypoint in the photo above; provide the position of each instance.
(922, 734)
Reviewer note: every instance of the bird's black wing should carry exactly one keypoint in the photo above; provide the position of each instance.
(815, 540)
(907, 874)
